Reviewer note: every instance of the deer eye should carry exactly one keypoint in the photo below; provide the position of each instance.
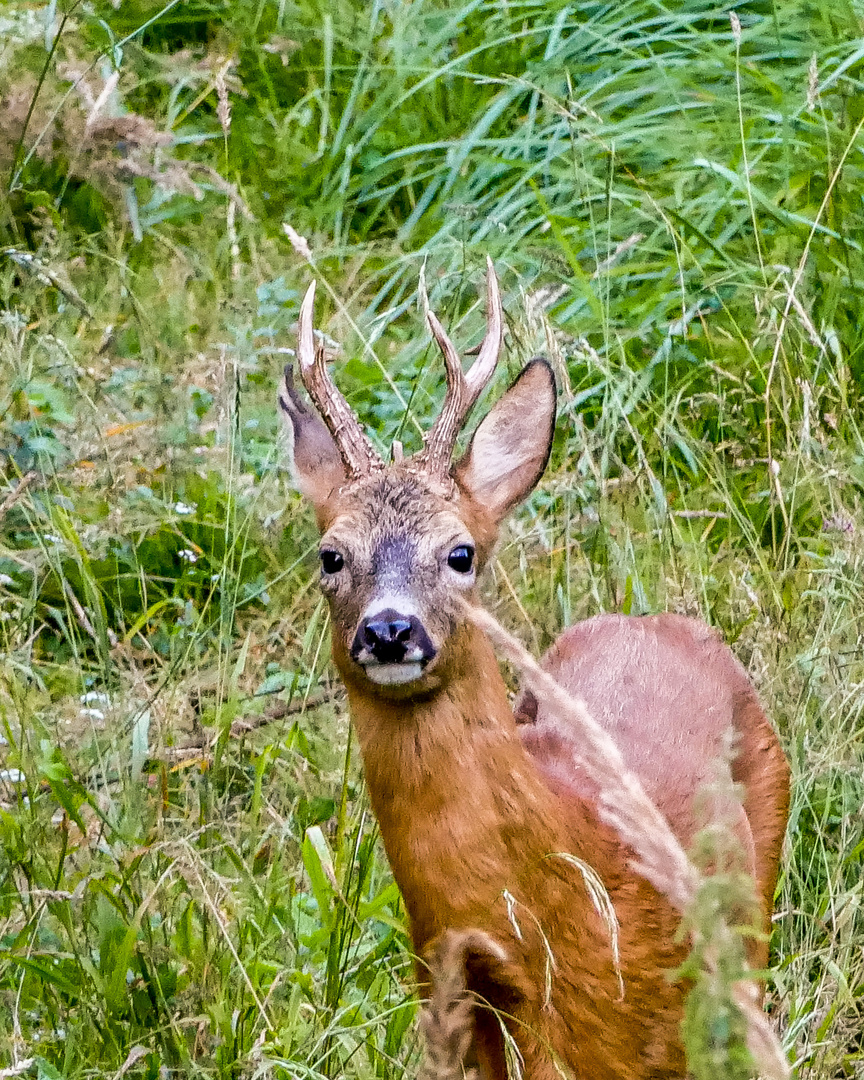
(461, 559)
(331, 561)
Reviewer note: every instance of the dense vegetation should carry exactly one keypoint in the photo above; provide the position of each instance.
(189, 875)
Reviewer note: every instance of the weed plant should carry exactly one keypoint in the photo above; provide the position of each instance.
(189, 875)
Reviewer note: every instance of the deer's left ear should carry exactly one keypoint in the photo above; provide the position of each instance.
(316, 466)
(510, 448)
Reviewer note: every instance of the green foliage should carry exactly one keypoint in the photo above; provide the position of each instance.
(188, 881)
(129, 911)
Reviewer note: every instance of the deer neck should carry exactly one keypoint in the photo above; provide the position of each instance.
(457, 797)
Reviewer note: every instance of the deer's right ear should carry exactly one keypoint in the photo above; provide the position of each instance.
(316, 467)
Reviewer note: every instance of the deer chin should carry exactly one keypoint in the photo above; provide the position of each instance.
(394, 674)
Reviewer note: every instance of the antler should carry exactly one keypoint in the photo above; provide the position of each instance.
(463, 388)
(354, 448)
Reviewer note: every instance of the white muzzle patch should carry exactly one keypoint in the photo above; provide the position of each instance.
(394, 674)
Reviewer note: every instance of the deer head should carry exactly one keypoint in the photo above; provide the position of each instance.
(402, 543)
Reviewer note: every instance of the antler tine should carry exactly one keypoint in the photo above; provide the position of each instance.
(463, 389)
(354, 448)
(455, 375)
(483, 367)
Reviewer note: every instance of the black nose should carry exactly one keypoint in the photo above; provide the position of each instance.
(381, 633)
(390, 636)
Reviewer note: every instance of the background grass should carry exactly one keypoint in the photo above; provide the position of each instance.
(189, 876)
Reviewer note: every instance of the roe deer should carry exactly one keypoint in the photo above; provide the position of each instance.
(476, 805)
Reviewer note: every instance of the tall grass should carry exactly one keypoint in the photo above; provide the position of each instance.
(189, 877)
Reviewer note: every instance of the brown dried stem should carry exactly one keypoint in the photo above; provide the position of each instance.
(447, 1017)
(15, 494)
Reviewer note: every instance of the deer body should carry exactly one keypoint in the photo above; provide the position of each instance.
(487, 822)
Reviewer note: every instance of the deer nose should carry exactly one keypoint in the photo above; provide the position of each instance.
(389, 637)
(385, 632)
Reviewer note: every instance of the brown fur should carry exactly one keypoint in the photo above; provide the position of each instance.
(475, 809)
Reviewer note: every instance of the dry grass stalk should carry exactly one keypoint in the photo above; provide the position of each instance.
(447, 1019)
(15, 494)
(100, 143)
(625, 806)
(223, 107)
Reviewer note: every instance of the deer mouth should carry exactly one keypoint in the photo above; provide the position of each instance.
(392, 648)
(393, 674)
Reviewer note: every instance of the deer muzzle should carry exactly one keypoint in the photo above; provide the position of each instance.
(392, 647)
